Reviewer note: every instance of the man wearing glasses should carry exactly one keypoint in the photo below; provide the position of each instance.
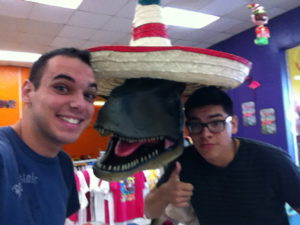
(228, 181)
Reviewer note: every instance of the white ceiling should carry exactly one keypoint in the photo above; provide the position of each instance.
(31, 27)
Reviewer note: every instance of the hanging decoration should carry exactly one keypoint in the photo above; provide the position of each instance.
(259, 18)
(253, 84)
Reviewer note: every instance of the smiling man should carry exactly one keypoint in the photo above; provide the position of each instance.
(36, 178)
(227, 180)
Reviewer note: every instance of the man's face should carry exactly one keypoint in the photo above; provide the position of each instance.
(62, 106)
(212, 145)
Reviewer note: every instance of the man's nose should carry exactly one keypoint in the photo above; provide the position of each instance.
(205, 131)
(78, 101)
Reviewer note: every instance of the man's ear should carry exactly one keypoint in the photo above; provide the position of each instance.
(234, 124)
(27, 90)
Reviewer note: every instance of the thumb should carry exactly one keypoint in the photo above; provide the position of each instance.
(175, 173)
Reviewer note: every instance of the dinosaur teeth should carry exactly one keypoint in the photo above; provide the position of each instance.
(130, 140)
(102, 131)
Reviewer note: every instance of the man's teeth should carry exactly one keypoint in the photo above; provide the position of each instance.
(70, 120)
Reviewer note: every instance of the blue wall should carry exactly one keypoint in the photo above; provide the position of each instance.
(269, 70)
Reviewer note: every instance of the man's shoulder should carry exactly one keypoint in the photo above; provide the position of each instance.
(63, 156)
(7, 151)
(64, 159)
(5, 138)
(262, 149)
(7, 134)
(257, 144)
(4, 131)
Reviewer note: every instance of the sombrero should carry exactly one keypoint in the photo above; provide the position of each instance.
(150, 55)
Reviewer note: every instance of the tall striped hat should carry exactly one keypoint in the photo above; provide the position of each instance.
(151, 55)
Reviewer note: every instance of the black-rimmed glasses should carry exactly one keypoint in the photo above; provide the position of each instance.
(214, 126)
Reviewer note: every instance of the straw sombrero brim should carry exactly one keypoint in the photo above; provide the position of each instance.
(196, 67)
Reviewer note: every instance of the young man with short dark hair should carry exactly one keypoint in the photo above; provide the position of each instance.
(227, 180)
(36, 177)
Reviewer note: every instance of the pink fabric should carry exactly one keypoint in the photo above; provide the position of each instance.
(167, 222)
(77, 182)
(128, 197)
(87, 180)
(74, 216)
(106, 211)
(86, 177)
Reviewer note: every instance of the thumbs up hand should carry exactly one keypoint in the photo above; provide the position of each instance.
(177, 193)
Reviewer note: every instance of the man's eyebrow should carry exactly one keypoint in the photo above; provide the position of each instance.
(215, 115)
(209, 116)
(69, 78)
(63, 76)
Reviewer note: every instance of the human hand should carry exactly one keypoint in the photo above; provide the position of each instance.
(177, 193)
(184, 215)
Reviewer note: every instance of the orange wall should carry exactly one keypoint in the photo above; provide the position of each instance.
(11, 79)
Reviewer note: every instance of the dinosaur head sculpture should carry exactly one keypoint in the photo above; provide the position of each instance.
(144, 117)
(143, 84)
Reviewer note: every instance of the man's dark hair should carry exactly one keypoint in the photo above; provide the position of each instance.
(210, 95)
(38, 66)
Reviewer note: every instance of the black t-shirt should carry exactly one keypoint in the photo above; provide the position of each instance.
(251, 190)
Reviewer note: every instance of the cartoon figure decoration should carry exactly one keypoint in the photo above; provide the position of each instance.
(127, 189)
(259, 18)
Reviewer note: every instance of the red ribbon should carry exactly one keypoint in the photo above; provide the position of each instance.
(150, 30)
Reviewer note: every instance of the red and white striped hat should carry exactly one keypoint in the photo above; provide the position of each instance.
(150, 55)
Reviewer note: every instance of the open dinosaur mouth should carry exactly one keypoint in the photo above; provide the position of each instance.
(126, 147)
(125, 156)
(145, 119)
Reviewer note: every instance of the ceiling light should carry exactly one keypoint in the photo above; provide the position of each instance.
(185, 18)
(99, 103)
(18, 56)
(296, 77)
(71, 4)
